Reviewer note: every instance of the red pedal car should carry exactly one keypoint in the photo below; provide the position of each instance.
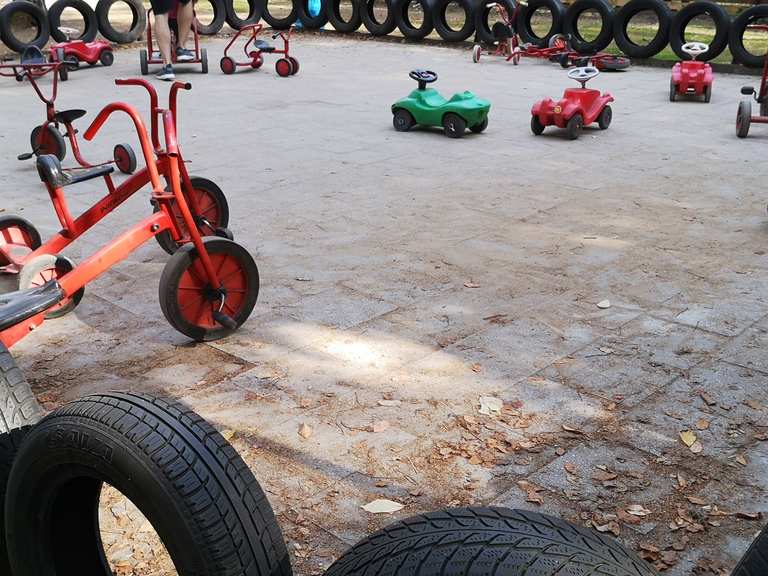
(577, 108)
(691, 77)
(75, 51)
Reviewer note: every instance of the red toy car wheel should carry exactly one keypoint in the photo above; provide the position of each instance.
(574, 126)
(107, 57)
(187, 299)
(227, 65)
(283, 67)
(295, 64)
(213, 208)
(49, 142)
(45, 268)
(258, 61)
(536, 126)
(18, 237)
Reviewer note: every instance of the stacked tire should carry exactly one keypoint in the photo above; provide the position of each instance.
(19, 14)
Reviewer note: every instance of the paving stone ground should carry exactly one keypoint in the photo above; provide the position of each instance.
(404, 276)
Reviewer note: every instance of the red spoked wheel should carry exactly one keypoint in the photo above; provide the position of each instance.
(49, 142)
(45, 268)
(18, 238)
(191, 304)
(214, 213)
(227, 65)
(284, 67)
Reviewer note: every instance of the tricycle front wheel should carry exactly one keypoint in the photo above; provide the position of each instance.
(49, 141)
(45, 268)
(18, 238)
(191, 304)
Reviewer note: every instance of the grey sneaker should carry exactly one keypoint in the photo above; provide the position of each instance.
(184, 55)
(166, 73)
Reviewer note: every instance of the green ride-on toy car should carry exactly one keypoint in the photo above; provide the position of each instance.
(425, 106)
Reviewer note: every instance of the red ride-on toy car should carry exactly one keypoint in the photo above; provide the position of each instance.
(255, 49)
(151, 55)
(744, 116)
(73, 52)
(577, 108)
(691, 77)
(209, 286)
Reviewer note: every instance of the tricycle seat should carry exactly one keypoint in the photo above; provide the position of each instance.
(50, 171)
(32, 55)
(264, 46)
(15, 307)
(67, 116)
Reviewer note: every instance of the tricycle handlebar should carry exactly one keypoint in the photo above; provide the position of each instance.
(149, 155)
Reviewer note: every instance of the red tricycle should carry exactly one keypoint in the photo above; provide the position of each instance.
(691, 77)
(32, 65)
(209, 286)
(47, 138)
(744, 116)
(151, 55)
(577, 108)
(255, 49)
(75, 51)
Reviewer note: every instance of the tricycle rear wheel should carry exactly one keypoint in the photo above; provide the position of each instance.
(49, 142)
(45, 268)
(188, 301)
(227, 65)
(743, 118)
(214, 208)
(125, 158)
(17, 234)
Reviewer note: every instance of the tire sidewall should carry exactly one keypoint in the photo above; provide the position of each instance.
(623, 18)
(440, 20)
(32, 10)
(137, 26)
(570, 27)
(373, 26)
(736, 36)
(406, 28)
(279, 23)
(681, 19)
(220, 15)
(523, 21)
(91, 28)
(333, 13)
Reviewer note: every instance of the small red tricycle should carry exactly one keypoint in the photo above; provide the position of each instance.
(577, 108)
(744, 116)
(691, 77)
(47, 137)
(209, 286)
(151, 54)
(73, 52)
(32, 65)
(255, 49)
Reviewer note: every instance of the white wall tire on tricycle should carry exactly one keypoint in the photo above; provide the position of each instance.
(498, 541)
(188, 481)
(44, 268)
(743, 118)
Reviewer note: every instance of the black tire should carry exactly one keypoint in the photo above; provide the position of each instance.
(227, 65)
(19, 411)
(279, 23)
(219, 202)
(311, 22)
(203, 61)
(55, 143)
(90, 25)
(604, 120)
(672, 90)
(708, 94)
(192, 486)
(143, 62)
(403, 120)
(468, 541)
(440, 18)
(623, 19)
(125, 158)
(574, 126)
(107, 58)
(482, 13)
(294, 65)
(336, 19)
(736, 40)
(180, 262)
(743, 118)
(536, 126)
(35, 13)
(571, 28)
(228, 12)
(408, 28)
(32, 237)
(523, 22)
(220, 15)
(63, 72)
(29, 277)
(454, 125)
(681, 19)
(479, 128)
(755, 560)
(372, 24)
(138, 24)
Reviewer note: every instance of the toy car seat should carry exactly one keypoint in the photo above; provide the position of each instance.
(501, 31)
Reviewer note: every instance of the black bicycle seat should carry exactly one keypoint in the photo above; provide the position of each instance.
(67, 116)
(15, 307)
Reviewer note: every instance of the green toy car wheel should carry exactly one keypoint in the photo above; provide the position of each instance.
(454, 125)
(403, 120)
(478, 128)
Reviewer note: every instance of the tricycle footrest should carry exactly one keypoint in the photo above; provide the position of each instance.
(17, 306)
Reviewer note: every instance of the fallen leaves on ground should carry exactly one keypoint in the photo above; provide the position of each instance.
(382, 506)
(531, 492)
(305, 430)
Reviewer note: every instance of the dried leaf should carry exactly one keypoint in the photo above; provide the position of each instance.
(382, 506)
(697, 447)
(490, 404)
(571, 429)
(708, 400)
(305, 430)
(741, 459)
(688, 437)
(702, 424)
(471, 285)
(754, 404)
(571, 468)
(387, 402)
(228, 435)
(477, 367)
(612, 527)
(604, 476)
(696, 500)
(749, 515)
(638, 510)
